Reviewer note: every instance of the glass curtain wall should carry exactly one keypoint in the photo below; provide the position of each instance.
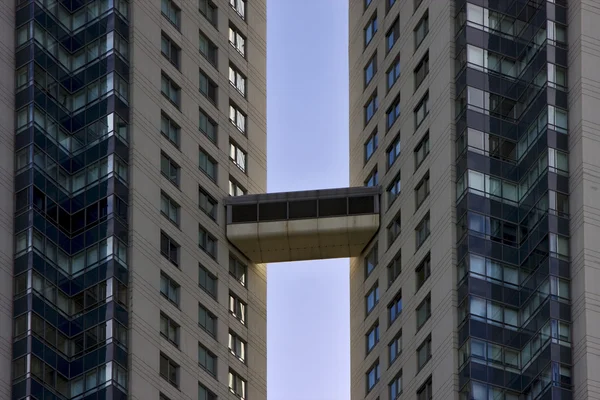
(512, 200)
(71, 214)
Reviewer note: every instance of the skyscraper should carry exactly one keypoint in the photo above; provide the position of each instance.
(126, 126)
(136, 225)
(477, 118)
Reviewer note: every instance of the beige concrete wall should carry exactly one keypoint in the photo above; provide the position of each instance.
(7, 135)
(146, 183)
(440, 203)
(584, 207)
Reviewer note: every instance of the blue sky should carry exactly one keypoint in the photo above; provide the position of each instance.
(308, 339)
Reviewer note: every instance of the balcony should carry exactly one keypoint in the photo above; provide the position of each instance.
(307, 225)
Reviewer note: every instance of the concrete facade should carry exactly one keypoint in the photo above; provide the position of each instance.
(440, 286)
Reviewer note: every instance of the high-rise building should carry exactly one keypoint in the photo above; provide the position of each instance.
(136, 226)
(478, 119)
(124, 126)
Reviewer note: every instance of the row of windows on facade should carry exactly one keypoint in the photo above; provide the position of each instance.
(172, 91)
(170, 371)
(395, 390)
(390, 3)
(207, 8)
(207, 203)
(170, 249)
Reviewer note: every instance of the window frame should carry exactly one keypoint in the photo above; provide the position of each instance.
(170, 323)
(238, 309)
(209, 200)
(174, 129)
(392, 33)
(207, 242)
(208, 317)
(426, 302)
(394, 268)
(164, 197)
(393, 113)
(213, 18)
(171, 8)
(395, 149)
(212, 88)
(423, 183)
(174, 88)
(423, 143)
(240, 81)
(234, 339)
(209, 122)
(395, 308)
(424, 21)
(170, 365)
(235, 262)
(421, 71)
(205, 364)
(372, 25)
(425, 266)
(170, 241)
(239, 118)
(172, 288)
(236, 149)
(174, 51)
(423, 104)
(422, 238)
(373, 291)
(208, 277)
(394, 71)
(172, 166)
(212, 50)
(425, 344)
(376, 332)
(373, 143)
(204, 155)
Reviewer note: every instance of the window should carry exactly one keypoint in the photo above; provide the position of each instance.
(209, 10)
(169, 208)
(372, 179)
(395, 386)
(205, 394)
(393, 189)
(393, 112)
(367, 3)
(169, 329)
(170, 90)
(169, 248)
(393, 152)
(239, 6)
(162, 397)
(169, 169)
(207, 242)
(371, 146)
(372, 337)
(425, 392)
(395, 308)
(238, 270)
(237, 385)
(208, 126)
(170, 50)
(237, 308)
(208, 87)
(370, 29)
(208, 49)
(422, 110)
(557, 76)
(371, 260)
(207, 320)
(393, 229)
(423, 271)
(389, 4)
(424, 311)
(237, 80)
(424, 353)
(421, 151)
(421, 30)
(422, 70)
(394, 268)
(372, 298)
(237, 346)
(395, 347)
(417, 4)
(422, 231)
(208, 204)
(237, 40)
(237, 118)
(207, 281)
(169, 370)
(393, 73)
(235, 189)
(371, 107)
(422, 190)
(169, 288)
(170, 129)
(208, 165)
(371, 69)
(207, 360)
(373, 376)
(238, 156)
(559, 245)
(171, 12)
(392, 35)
